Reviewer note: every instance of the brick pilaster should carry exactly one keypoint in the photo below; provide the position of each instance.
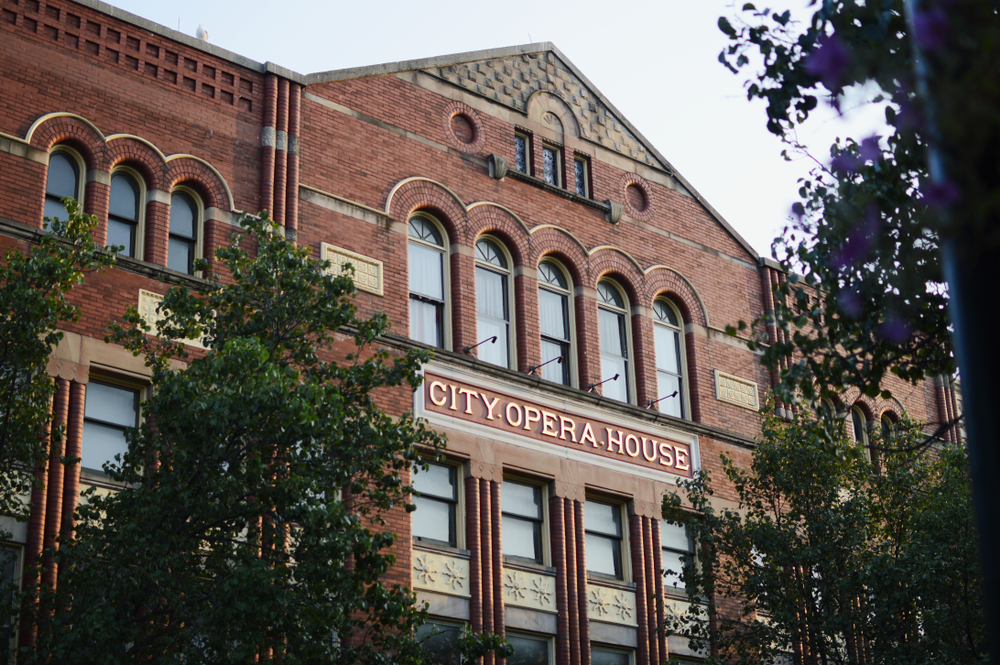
(473, 533)
(557, 531)
(572, 586)
(54, 486)
(74, 448)
(641, 588)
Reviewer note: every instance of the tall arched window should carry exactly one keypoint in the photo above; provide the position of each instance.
(124, 213)
(63, 180)
(669, 361)
(612, 318)
(859, 423)
(493, 302)
(427, 281)
(553, 316)
(185, 231)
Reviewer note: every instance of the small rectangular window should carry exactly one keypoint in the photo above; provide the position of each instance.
(108, 411)
(529, 650)
(521, 505)
(552, 168)
(607, 656)
(436, 499)
(580, 175)
(675, 540)
(604, 538)
(440, 642)
(522, 153)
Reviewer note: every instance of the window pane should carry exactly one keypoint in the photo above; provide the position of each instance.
(426, 322)
(521, 153)
(603, 555)
(859, 425)
(612, 330)
(425, 230)
(528, 650)
(433, 519)
(121, 234)
(180, 255)
(674, 536)
(111, 404)
(495, 352)
(522, 538)
(439, 643)
(665, 313)
(609, 294)
(426, 271)
(668, 384)
(580, 174)
(521, 499)
(124, 197)
(667, 349)
(551, 164)
(617, 389)
(183, 215)
(555, 371)
(488, 252)
(549, 274)
(100, 444)
(602, 517)
(437, 480)
(673, 566)
(491, 294)
(600, 656)
(54, 209)
(552, 314)
(63, 177)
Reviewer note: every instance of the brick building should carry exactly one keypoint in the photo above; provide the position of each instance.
(494, 195)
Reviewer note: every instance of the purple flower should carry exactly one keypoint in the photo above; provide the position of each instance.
(931, 28)
(829, 61)
(940, 194)
(850, 303)
(870, 150)
(894, 330)
(844, 163)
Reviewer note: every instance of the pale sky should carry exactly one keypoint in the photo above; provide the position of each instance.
(655, 60)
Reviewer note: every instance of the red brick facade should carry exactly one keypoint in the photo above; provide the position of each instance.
(344, 159)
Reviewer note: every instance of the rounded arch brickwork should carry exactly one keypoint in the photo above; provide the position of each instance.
(666, 282)
(637, 180)
(478, 128)
(199, 177)
(555, 242)
(422, 194)
(81, 135)
(140, 156)
(612, 263)
(501, 223)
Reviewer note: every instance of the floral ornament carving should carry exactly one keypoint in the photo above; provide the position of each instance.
(516, 589)
(542, 594)
(623, 608)
(599, 603)
(453, 576)
(424, 569)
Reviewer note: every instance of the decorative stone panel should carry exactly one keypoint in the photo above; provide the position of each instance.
(367, 271)
(147, 306)
(733, 389)
(512, 81)
(532, 590)
(442, 573)
(611, 605)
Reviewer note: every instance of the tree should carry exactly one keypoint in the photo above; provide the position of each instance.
(252, 518)
(899, 233)
(35, 281)
(833, 559)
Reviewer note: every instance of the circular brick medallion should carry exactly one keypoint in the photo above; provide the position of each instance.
(463, 127)
(636, 200)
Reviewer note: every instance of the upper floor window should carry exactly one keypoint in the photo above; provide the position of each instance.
(523, 517)
(436, 499)
(427, 281)
(604, 538)
(185, 227)
(609, 656)
(859, 423)
(669, 362)
(553, 316)
(581, 175)
(440, 642)
(529, 649)
(676, 543)
(63, 180)
(613, 324)
(108, 411)
(522, 152)
(124, 212)
(493, 302)
(551, 165)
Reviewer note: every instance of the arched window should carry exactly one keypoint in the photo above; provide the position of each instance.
(493, 302)
(553, 316)
(669, 360)
(427, 282)
(63, 180)
(612, 318)
(887, 423)
(125, 213)
(859, 423)
(185, 231)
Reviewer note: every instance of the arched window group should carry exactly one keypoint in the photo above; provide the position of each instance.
(496, 342)
(126, 209)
